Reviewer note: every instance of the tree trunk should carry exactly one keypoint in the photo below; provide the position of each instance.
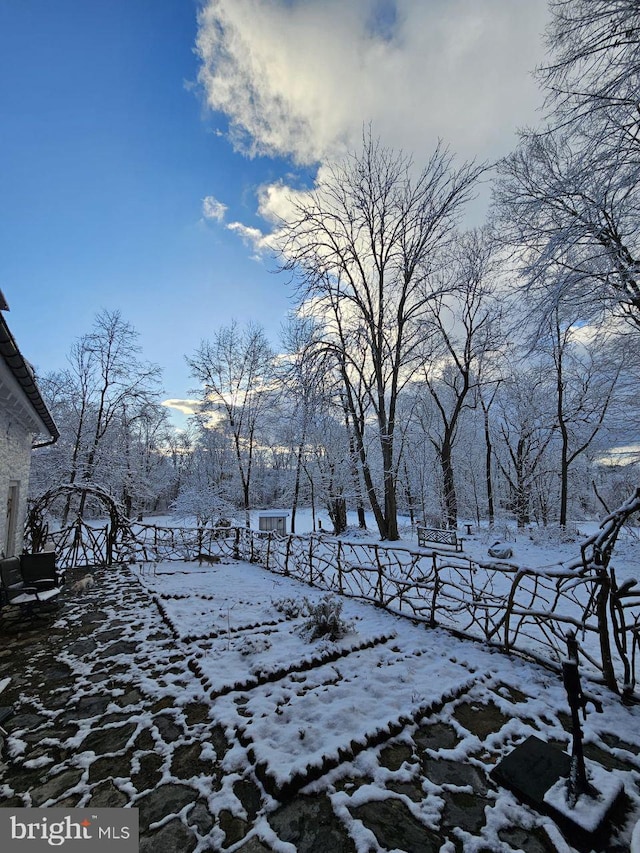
(409, 495)
(391, 509)
(564, 474)
(522, 498)
(378, 514)
(448, 485)
(487, 465)
(296, 487)
(338, 514)
(87, 477)
(390, 498)
(355, 474)
(67, 503)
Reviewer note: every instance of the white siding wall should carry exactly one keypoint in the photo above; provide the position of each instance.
(273, 522)
(15, 462)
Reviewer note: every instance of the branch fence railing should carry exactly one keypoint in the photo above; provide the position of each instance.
(515, 609)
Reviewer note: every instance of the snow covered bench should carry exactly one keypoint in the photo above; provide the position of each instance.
(30, 580)
(433, 535)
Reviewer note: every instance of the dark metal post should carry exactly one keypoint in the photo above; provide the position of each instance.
(578, 783)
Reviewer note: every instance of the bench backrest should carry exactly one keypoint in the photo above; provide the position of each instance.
(38, 567)
(445, 537)
(10, 574)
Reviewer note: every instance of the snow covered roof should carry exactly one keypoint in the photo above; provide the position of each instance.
(273, 513)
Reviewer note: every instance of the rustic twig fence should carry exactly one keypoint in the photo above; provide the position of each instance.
(513, 608)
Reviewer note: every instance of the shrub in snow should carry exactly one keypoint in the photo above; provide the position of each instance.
(355, 532)
(500, 530)
(252, 645)
(291, 607)
(325, 619)
(553, 534)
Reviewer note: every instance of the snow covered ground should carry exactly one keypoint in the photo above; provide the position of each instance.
(464, 595)
(312, 710)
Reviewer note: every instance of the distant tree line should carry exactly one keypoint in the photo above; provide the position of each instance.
(487, 429)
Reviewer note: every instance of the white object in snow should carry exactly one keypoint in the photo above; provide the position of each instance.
(500, 551)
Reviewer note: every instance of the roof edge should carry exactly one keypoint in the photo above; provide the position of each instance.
(24, 376)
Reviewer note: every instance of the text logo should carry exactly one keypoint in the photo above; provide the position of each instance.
(113, 830)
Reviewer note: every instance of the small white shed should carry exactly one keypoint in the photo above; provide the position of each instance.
(273, 520)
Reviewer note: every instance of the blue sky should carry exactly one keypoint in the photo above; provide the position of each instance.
(110, 143)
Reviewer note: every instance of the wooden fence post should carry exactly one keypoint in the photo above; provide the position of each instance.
(602, 601)
(379, 583)
(236, 544)
(286, 556)
(108, 545)
(436, 589)
(506, 643)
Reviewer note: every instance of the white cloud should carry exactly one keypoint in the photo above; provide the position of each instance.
(187, 407)
(213, 209)
(301, 78)
(212, 417)
(251, 236)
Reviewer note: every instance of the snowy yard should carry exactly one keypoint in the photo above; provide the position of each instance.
(310, 712)
(200, 698)
(308, 703)
(527, 602)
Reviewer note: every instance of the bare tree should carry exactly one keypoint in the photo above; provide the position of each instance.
(465, 322)
(364, 245)
(578, 222)
(236, 372)
(486, 397)
(106, 381)
(525, 421)
(141, 436)
(586, 374)
(569, 195)
(305, 392)
(595, 68)
(118, 378)
(329, 465)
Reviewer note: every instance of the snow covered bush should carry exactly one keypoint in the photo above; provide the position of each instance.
(325, 619)
(253, 645)
(553, 534)
(291, 607)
